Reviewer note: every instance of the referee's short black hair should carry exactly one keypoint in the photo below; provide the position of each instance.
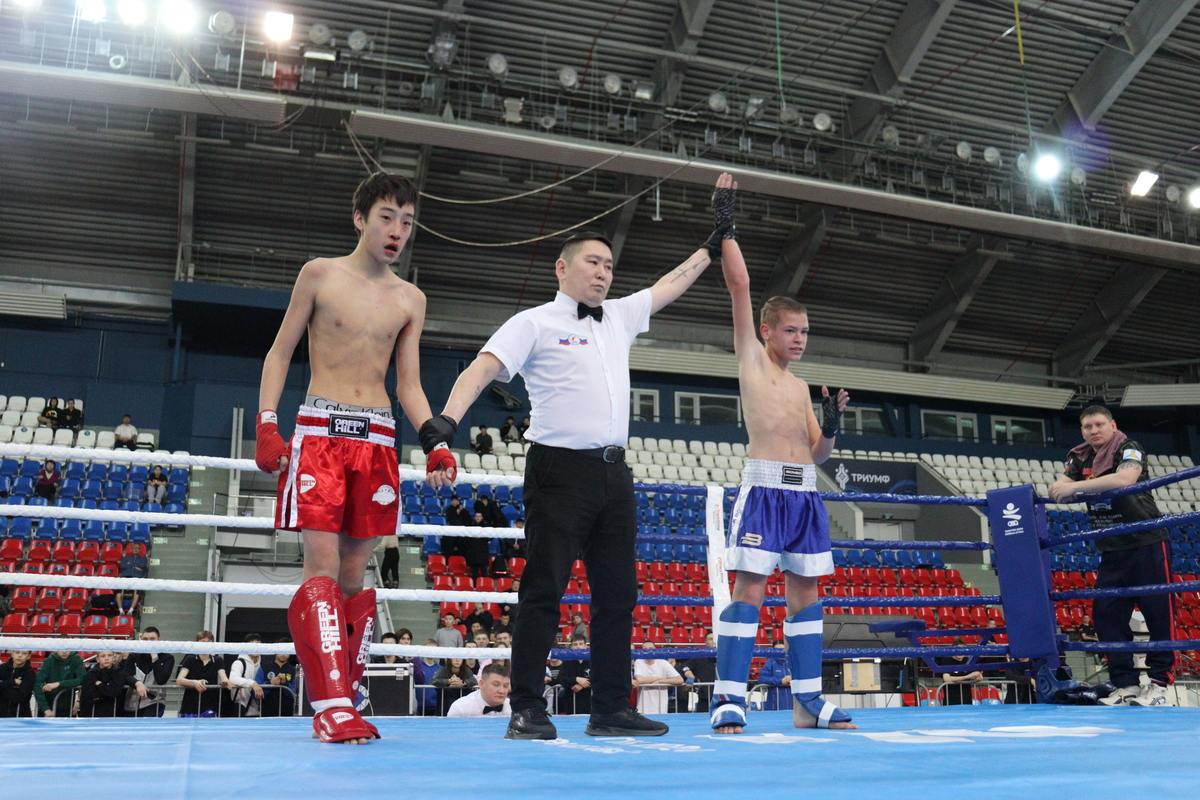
(1095, 409)
(572, 244)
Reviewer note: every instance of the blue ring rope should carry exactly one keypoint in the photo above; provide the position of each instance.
(1124, 527)
(1127, 591)
(833, 654)
(830, 602)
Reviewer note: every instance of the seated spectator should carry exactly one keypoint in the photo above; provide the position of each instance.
(49, 416)
(129, 601)
(70, 417)
(471, 663)
(475, 550)
(651, 677)
(575, 678)
(959, 691)
(47, 481)
(424, 670)
(17, 679)
(104, 687)
(452, 681)
(483, 442)
(61, 672)
(491, 698)
(126, 434)
(154, 671)
(503, 641)
(702, 672)
(388, 638)
(456, 514)
(481, 615)
(244, 690)
(578, 626)
(156, 485)
(448, 635)
(278, 677)
(524, 427)
(514, 548)
(504, 624)
(776, 674)
(493, 517)
(481, 639)
(202, 678)
(509, 432)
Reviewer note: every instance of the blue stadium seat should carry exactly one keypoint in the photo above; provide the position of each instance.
(64, 502)
(30, 468)
(131, 505)
(484, 490)
(176, 493)
(409, 488)
(139, 533)
(518, 495)
(444, 493)
(110, 505)
(47, 528)
(839, 557)
(502, 495)
(114, 490)
(91, 489)
(15, 500)
(117, 532)
(135, 491)
(20, 528)
(118, 472)
(38, 501)
(23, 486)
(431, 505)
(178, 475)
(72, 530)
(68, 488)
(511, 513)
(431, 545)
(93, 531)
(417, 519)
(173, 508)
(139, 473)
(153, 508)
(76, 471)
(412, 504)
(97, 472)
(464, 491)
(645, 551)
(9, 467)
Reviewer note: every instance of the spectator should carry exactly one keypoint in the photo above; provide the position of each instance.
(154, 671)
(578, 626)
(491, 698)
(493, 517)
(475, 550)
(50, 415)
(958, 692)
(481, 615)
(103, 602)
(701, 674)
(47, 481)
(388, 638)
(504, 624)
(652, 676)
(156, 485)
(775, 674)
(55, 681)
(243, 681)
(457, 515)
(472, 663)
(481, 639)
(503, 641)
(524, 427)
(575, 677)
(514, 548)
(17, 679)
(452, 681)
(201, 677)
(71, 417)
(104, 687)
(509, 432)
(278, 677)
(424, 670)
(390, 571)
(483, 442)
(448, 635)
(126, 434)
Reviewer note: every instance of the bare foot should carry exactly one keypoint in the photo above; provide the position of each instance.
(729, 729)
(802, 719)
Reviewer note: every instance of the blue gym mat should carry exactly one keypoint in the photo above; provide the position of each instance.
(982, 752)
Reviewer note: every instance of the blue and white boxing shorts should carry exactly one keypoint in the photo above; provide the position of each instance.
(779, 520)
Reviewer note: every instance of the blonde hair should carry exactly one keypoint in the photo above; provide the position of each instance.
(778, 305)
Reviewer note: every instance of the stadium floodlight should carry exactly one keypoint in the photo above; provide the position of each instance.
(222, 23)
(91, 10)
(568, 78)
(1047, 167)
(177, 16)
(963, 150)
(644, 91)
(277, 25)
(718, 103)
(132, 12)
(891, 135)
(822, 122)
(497, 64)
(1078, 176)
(1193, 198)
(991, 155)
(612, 83)
(1144, 183)
(754, 106)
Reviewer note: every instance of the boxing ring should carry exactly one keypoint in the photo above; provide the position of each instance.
(995, 751)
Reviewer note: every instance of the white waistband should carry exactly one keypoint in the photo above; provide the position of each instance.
(780, 475)
(346, 425)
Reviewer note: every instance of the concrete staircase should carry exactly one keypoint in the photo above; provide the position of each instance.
(420, 618)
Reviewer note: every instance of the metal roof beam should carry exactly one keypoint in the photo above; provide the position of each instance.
(1113, 305)
(958, 290)
(1117, 64)
(404, 263)
(799, 249)
(910, 40)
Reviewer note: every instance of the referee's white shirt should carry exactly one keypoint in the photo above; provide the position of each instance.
(576, 370)
(472, 705)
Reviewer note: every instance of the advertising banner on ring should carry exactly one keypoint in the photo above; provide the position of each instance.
(894, 477)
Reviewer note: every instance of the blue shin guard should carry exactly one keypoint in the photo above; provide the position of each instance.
(736, 631)
(803, 633)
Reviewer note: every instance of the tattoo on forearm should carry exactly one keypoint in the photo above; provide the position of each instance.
(686, 268)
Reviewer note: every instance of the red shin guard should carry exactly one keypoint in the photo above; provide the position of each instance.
(316, 621)
(360, 631)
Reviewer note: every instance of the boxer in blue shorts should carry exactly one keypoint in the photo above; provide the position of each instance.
(778, 519)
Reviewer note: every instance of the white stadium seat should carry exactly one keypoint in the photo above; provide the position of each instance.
(671, 472)
(707, 461)
(43, 436)
(635, 443)
(650, 443)
(416, 457)
(679, 446)
(489, 463)
(23, 435)
(724, 448)
(106, 440)
(655, 471)
(78, 403)
(11, 418)
(16, 402)
(3, 401)
(472, 463)
(739, 449)
(35, 404)
(700, 474)
(86, 438)
(665, 445)
(711, 448)
(145, 441)
(6, 434)
(505, 463)
(64, 437)
(640, 472)
(29, 419)
(519, 463)
(515, 449)
(696, 447)
(675, 459)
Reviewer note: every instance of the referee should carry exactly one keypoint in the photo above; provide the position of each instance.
(574, 355)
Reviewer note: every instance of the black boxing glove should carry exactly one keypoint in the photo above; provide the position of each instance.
(713, 243)
(437, 430)
(831, 418)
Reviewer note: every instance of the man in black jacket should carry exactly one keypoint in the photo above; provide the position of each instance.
(16, 685)
(154, 671)
(576, 679)
(102, 693)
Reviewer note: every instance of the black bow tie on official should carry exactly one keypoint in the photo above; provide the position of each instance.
(596, 313)
(494, 709)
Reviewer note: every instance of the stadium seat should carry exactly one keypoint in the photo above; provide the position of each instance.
(95, 625)
(123, 626)
(70, 624)
(75, 599)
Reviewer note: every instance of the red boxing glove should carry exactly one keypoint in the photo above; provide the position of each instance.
(441, 457)
(269, 446)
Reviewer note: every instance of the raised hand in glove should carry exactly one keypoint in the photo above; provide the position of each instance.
(831, 411)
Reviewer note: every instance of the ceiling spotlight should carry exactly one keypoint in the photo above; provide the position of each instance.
(358, 41)
(497, 64)
(441, 50)
(890, 135)
(788, 116)
(221, 23)
(314, 53)
(131, 12)
(177, 16)
(612, 83)
(754, 106)
(1078, 176)
(277, 25)
(718, 103)
(991, 155)
(1047, 167)
(568, 77)
(91, 10)
(822, 122)
(644, 91)
(319, 33)
(1173, 194)
(963, 151)
(1193, 197)
(1023, 164)
(1145, 181)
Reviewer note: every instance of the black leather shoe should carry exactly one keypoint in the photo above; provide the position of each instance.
(625, 723)
(532, 723)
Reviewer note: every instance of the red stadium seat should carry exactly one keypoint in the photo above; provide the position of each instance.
(657, 571)
(12, 549)
(70, 624)
(40, 550)
(665, 615)
(485, 585)
(441, 583)
(88, 552)
(49, 599)
(456, 565)
(112, 552)
(516, 566)
(135, 549)
(697, 573)
(75, 600)
(41, 624)
(675, 572)
(107, 571)
(14, 622)
(64, 552)
(578, 570)
(86, 570)
(641, 615)
(23, 598)
(656, 634)
(640, 571)
(122, 625)
(436, 565)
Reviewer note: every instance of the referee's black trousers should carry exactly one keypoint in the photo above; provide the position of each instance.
(576, 506)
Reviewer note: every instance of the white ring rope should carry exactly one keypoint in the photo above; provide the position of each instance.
(225, 587)
(53, 644)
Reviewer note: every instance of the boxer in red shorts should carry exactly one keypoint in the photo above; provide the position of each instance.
(339, 479)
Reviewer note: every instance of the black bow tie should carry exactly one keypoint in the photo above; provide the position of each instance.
(596, 313)
(494, 709)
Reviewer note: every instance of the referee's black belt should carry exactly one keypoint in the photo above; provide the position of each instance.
(609, 455)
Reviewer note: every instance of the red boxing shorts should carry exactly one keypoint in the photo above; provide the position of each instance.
(342, 475)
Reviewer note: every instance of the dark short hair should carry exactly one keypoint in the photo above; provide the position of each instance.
(380, 186)
(400, 633)
(1095, 409)
(494, 669)
(252, 637)
(151, 629)
(571, 245)
(389, 635)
